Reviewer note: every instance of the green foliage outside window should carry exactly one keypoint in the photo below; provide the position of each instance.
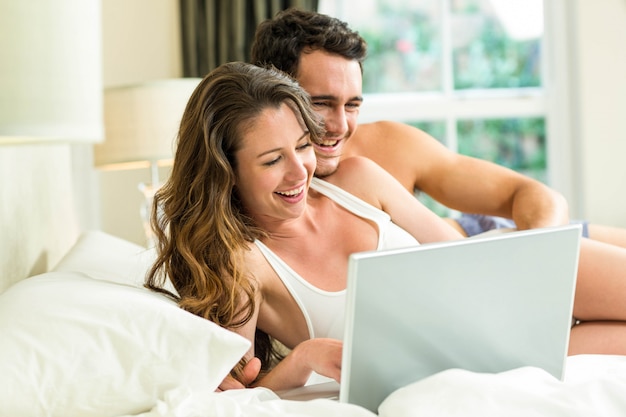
(403, 52)
(493, 60)
(519, 144)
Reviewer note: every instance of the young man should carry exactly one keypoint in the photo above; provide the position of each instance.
(326, 56)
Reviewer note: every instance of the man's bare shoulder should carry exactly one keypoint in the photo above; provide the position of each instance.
(406, 152)
(400, 134)
(386, 127)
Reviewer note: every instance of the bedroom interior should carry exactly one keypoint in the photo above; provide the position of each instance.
(141, 121)
(51, 191)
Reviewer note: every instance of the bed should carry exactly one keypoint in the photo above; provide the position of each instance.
(86, 339)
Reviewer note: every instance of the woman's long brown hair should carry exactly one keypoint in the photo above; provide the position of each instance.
(202, 230)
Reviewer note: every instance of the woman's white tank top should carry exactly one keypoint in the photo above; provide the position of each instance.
(324, 310)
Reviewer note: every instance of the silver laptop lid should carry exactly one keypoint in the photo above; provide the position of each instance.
(486, 305)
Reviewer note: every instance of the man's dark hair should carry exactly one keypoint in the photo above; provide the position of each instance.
(280, 41)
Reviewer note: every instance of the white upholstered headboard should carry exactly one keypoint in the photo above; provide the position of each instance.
(38, 216)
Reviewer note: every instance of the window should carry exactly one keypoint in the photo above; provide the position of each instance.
(469, 72)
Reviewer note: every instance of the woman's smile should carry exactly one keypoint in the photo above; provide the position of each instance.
(291, 193)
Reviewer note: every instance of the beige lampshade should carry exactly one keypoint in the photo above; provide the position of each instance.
(50, 71)
(142, 120)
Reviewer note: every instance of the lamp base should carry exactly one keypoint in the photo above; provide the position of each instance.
(145, 211)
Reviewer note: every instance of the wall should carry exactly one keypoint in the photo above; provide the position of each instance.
(37, 209)
(601, 66)
(141, 42)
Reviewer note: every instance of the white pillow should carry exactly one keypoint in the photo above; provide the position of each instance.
(107, 257)
(77, 346)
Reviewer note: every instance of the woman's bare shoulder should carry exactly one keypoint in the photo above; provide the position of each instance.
(361, 177)
(258, 267)
(354, 168)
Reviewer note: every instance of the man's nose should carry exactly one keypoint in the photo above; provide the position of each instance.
(336, 121)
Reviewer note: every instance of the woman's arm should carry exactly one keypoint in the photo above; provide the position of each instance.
(322, 356)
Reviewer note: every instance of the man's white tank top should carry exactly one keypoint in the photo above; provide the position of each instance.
(324, 310)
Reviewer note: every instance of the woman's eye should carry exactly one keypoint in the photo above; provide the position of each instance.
(272, 162)
(304, 146)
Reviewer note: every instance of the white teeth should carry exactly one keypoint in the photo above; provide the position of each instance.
(329, 142)
(292, 192)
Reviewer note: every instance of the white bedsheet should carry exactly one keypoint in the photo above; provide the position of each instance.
(187, 402)
(595, 385)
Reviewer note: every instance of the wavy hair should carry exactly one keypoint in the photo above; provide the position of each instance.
(280, 41)
(201, 227)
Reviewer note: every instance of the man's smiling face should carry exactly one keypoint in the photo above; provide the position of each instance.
(334, 84)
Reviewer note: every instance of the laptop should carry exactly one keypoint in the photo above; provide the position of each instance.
(484, 304)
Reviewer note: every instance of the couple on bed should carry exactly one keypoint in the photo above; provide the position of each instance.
(273, 187)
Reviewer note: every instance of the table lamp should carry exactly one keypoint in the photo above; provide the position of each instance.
(141, 123)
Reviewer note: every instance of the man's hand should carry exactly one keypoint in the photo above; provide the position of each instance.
(250, 373)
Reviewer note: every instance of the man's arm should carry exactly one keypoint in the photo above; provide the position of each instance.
(477, 186)
(460, 182)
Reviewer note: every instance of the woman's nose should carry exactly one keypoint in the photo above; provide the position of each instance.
(296, 168)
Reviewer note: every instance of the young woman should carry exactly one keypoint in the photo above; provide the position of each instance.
(251, 241)
(241, 212)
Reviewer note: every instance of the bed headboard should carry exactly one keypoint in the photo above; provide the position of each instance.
(38, 216)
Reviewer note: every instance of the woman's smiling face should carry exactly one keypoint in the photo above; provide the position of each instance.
(275, 164)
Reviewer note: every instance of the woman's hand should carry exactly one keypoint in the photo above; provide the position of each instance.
(250, 373)
(322, 356)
